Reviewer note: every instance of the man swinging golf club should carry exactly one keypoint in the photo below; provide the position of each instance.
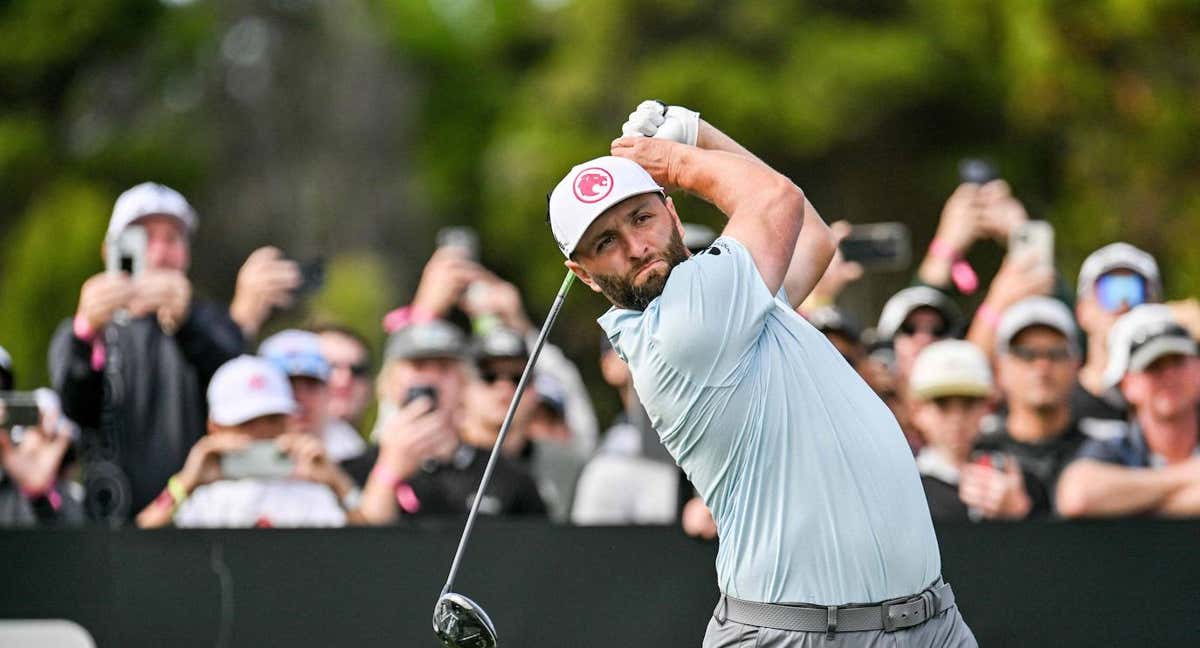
(826, 537)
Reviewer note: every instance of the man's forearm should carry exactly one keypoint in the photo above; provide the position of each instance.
(1090, 488)
(1184, 502)
(815, 243)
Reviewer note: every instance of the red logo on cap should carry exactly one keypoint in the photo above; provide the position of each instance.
(258, 382)
(593, 184)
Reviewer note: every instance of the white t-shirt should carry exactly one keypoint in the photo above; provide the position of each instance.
(813, 488)
(261, 502)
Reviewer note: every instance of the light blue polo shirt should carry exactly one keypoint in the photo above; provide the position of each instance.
(813, 488)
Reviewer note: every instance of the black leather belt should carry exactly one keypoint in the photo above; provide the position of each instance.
(889, 616)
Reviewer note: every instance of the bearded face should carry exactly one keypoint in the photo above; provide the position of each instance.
(645, 282)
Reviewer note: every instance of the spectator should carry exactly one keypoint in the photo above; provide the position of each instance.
(913, 319)
(1112, 280)
(632, 479)
(249, 401)
(137, 388)
(426, 355)
(974, 212)
(267, 281)
(951, 388)
(1037, 352)
(298, 354)
(349, 358)
(431, 460)
(34, 460)
(450, 280)
(1155, 467)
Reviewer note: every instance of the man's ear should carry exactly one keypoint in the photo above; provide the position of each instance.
(582, 274)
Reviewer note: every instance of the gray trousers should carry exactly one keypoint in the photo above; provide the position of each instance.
(946, 630)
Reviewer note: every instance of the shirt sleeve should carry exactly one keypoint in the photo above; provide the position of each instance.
(1103, 451)
(712, 312)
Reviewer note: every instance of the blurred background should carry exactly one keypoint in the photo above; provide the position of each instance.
(353, 130)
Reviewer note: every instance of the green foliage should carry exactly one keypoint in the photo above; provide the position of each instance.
(56, 248)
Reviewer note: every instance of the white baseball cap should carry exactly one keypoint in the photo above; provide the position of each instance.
(246, 388)
(950, 368)
(1036, 311)
(1120, 256)
(297, 353)
(902, 304)
(146, 199)
(1141, 336)
(588, 190)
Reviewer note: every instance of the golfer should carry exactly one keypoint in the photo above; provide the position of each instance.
(826, 537)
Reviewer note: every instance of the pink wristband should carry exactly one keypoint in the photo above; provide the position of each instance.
(389, 476)
(961, 272)
(85, 333)
(988, 315)
(50, 493)
(402, 317)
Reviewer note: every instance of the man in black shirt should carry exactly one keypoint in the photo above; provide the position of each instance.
(1037, 357)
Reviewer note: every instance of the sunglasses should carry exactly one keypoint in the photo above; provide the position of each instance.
(1029, 354)
(939, 331)
(1114, 291)
(358, 369)
(491, 377)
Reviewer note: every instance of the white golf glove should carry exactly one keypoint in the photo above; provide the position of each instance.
(655, 119)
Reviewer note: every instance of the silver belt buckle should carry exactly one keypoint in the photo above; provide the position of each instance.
(898, 615)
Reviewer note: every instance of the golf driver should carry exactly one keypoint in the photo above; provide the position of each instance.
(458, 621)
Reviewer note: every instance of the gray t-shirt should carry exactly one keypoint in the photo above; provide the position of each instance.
(813, 488)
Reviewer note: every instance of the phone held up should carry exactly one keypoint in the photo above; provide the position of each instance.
(878, 246)
(260, 460)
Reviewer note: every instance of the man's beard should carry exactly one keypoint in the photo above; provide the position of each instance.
(621, 291)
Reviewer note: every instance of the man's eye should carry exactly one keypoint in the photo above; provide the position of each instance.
(643, 217)
(603, 244)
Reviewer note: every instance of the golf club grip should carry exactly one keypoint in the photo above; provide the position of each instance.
(512, 409)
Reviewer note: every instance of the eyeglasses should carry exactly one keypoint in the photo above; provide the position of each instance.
(358, 369)
(1114, 291)
(491, 377)
(939, 331)
(1030, 354)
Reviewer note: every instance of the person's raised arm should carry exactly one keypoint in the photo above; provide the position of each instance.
(765, 209)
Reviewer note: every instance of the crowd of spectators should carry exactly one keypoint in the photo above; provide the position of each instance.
(167, 409)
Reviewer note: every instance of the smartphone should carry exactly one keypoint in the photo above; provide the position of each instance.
(1034, 238)
(465, 238)
(993, 460)
(126, 252)
(419, 391)
(976, 170)
(261, 459)
(20, 408)
(878, 246)
(312, 277)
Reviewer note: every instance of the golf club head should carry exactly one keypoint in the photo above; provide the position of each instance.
(460, 622)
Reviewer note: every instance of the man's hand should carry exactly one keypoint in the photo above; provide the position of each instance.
(312, 463)
(998, 494)
(1001, 213)
(697, 520)
(444, 279)
(167, 293)
(492, 295)
(657, 156)
(266, 281)
(1187, 313)
(961, 221)
(203, 464)
(101, 296)
(1019, 278)
(415, 433)
(33, 464)
(652, 118)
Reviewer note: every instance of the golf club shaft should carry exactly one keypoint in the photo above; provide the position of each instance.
(512, 409)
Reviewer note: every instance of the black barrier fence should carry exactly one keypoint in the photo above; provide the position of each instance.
(1093, 584)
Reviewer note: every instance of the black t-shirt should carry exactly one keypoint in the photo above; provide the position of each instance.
(944, 504)
(1104, 417)
(448, 488)
(1041, 463)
